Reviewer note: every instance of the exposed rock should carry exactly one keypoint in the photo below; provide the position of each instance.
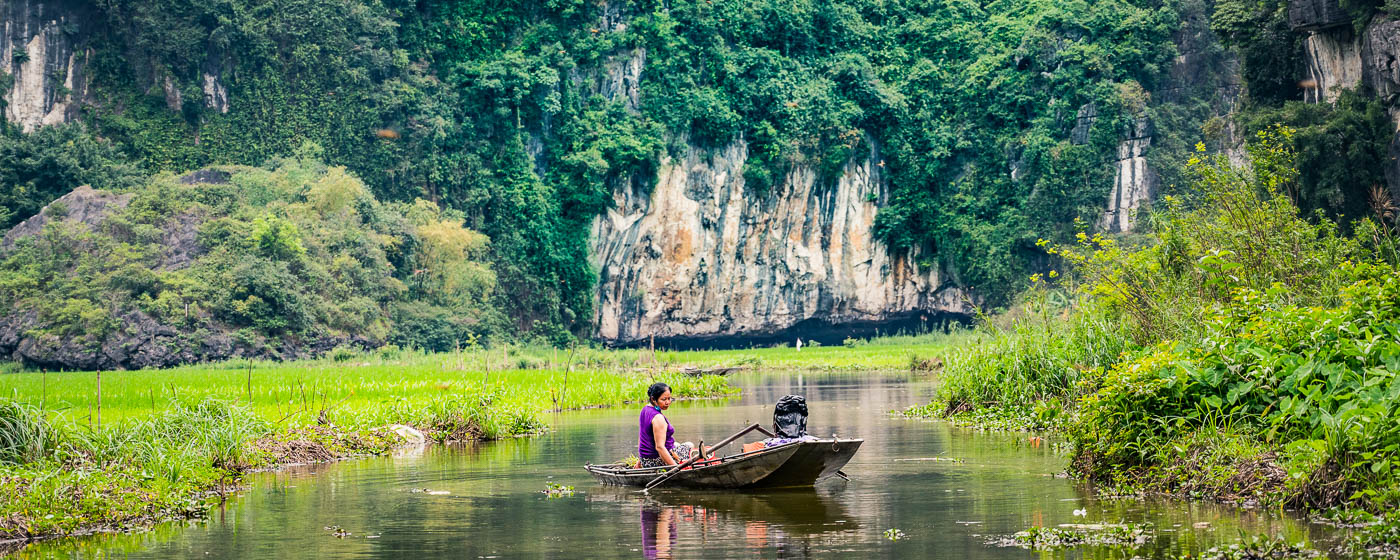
(1134, 182)
(215, 93)
(84, 205)
(207, 176)
(1380, 60)
(1083, 121)
(173, 100)
(1309, 15)
(700, 255)
(1333, 61)
(180, 241)
(39, 43)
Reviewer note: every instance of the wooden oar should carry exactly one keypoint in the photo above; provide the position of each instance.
(701, 453)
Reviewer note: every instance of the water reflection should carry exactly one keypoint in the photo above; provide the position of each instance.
(762, 520)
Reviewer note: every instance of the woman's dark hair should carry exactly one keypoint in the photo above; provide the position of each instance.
(656, 390)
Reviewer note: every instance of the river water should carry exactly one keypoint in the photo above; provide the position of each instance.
(947, 490)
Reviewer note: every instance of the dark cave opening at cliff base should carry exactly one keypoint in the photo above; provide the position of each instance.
(819, 330)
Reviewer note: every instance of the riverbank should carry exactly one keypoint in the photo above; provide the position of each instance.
(100, 451)
(1241, 353)
(85, 452)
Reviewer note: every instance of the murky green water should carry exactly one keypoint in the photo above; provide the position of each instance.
(486, 500)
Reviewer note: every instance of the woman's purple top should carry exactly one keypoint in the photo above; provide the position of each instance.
(646, 442)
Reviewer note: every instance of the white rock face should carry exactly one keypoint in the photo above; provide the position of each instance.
(215, 93)
(44, 61)
(701, 256)
(1333, 61)
(1133, 182)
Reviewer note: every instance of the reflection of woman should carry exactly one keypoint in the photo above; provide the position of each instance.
(658, 531)
(656, 442)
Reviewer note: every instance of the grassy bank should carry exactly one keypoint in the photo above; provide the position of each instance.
(162, 444)
(1239, 352)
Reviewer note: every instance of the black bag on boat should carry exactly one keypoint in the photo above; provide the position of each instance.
(790, 417)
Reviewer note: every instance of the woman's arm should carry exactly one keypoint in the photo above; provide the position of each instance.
(658, 436)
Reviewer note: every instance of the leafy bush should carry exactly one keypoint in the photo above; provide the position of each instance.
(38, 167)
(1245, 342)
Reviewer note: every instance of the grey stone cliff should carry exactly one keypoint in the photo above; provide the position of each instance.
(41, 50)
(699, 255)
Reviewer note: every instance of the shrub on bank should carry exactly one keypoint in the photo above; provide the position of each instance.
(1247, 344)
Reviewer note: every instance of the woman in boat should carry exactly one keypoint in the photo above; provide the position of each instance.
(656, 442)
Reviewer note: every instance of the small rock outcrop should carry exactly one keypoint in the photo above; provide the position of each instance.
(140, 341)
(84, 205)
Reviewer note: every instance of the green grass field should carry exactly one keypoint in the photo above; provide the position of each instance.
(362, 389)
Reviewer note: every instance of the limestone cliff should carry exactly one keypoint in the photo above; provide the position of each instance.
(702, 256)
(1202, 72)
(45, 50)
(44, 58)
(1339, 57)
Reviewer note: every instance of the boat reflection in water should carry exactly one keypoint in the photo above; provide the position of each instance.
(674, 521)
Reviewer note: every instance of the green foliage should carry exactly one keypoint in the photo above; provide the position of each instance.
(1249, 340)
(38, 167)
(300, 249)
(276, 239)
(1341, 149)
(1271, 54)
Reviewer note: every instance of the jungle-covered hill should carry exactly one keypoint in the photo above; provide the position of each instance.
(999, 123)
(278, 262)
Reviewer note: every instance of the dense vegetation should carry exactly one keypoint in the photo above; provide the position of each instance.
(1243, 353)
(270, 261)
(1342, 146)
(997, 122)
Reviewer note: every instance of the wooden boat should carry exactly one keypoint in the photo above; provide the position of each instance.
(799, 463)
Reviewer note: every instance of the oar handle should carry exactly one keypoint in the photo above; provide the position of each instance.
(668, 474)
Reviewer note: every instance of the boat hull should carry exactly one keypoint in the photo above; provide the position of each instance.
(793, 464)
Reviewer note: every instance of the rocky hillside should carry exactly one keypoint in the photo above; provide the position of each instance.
(230, 262)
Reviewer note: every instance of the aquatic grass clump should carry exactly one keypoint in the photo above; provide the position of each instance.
(1260, 547)
(1038, 360)
(25, 435)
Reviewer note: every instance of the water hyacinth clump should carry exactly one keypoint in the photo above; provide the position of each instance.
(1068, 536)
(556, 490)
(1260, 547)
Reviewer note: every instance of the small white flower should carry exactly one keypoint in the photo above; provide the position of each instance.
(1081, 512)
